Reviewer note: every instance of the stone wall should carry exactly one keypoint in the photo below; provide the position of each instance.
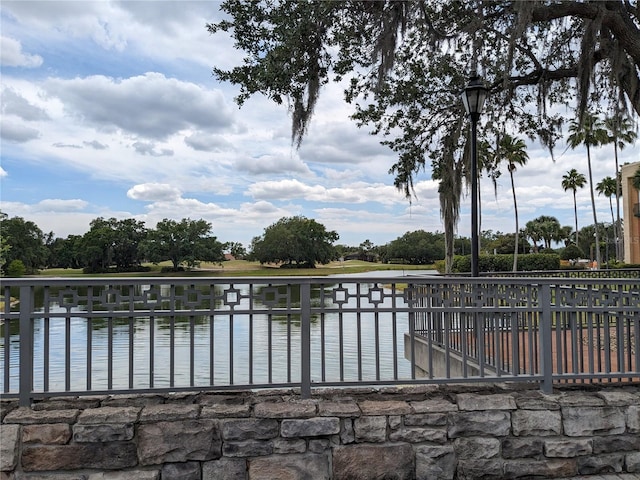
(418, 432)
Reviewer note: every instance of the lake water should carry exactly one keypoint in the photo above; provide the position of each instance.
(222, 350)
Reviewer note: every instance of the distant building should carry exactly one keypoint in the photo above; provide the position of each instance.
(631, 213)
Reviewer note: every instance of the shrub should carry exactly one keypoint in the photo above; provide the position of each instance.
(440, 265)
(16, 269)
(538, 261)
(571, 252)
(504, 262)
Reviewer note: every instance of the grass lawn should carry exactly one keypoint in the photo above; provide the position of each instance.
(243, 268)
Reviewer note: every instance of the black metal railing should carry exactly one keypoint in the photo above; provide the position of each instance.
(122, 335)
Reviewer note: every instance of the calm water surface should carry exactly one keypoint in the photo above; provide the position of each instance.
(240, 352)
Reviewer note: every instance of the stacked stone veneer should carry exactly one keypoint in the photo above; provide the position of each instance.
(425, 432)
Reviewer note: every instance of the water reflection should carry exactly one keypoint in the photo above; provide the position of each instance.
(220, 348)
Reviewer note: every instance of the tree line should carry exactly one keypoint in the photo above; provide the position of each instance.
(110, 245)
(127, 245)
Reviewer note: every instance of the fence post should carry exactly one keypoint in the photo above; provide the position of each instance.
(305, 338)
(26, 346)
(546, 355)
(411, 301)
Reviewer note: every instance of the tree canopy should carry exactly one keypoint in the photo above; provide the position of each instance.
(110, 242)
(405, 63)
(188, 241)
(22, 240)
(545, 228)
(417, 248)
(295, 242)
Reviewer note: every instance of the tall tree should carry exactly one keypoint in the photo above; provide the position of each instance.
(621, 132)
(609, 188)
(66, 252)
(589, 132)
(295, 242)
(489, 163)
(545, 228)
(97, 245)
(186, 242)
(514, 151)
(406, 62)
(129, 235)
(24, 241)
(417, 248)
(573, 180)
(4, 245)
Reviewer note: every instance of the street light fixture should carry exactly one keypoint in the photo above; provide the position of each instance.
(473, 97)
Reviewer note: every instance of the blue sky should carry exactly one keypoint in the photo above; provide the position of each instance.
(109, 109)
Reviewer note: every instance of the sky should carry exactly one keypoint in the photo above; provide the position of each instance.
(110, 109)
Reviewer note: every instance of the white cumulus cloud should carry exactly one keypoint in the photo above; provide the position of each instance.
(154, 192)
(11, 55)
(150, 105)
(60, 205)
(359, 192)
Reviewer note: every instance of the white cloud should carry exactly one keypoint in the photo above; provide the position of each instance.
(208, 142)
(3, 172)
(265, 164)
(358, 192)
(98, 21)
(11, 55)
(49, 205)
(149, 105)
(337, 142)
(60, 205)
(154, 192)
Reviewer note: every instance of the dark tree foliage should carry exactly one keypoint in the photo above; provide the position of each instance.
(186, 242)
(66, 252)
(407, 61)
(503, 243)
(417, 248)
(295, 242)
(606, 237)
(112, 243)
(22, 240)
(545, 229)
(571, 252)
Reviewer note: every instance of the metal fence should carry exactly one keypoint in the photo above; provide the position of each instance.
(128, 335)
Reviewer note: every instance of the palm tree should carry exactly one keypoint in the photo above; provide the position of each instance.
(620, 132)
(589, 132)
(533, 231)
(487, 162)
(513, 150)
(545, 228)
(573, 180)
(565, 234)
(608, 187)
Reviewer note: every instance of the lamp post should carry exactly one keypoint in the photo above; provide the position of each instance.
(473, 97)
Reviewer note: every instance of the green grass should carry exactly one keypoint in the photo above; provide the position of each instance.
(243, 268)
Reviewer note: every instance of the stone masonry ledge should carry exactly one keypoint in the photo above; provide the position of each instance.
(440, 432)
